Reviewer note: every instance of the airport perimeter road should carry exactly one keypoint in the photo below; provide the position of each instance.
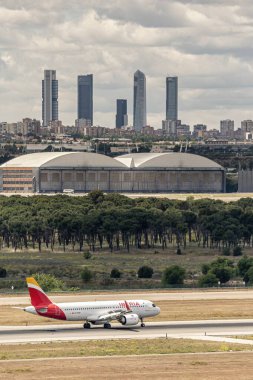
(207, 330)
(183, 295)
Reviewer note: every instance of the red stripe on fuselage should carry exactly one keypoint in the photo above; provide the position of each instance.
(51, 311)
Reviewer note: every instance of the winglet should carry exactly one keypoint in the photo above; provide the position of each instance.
(38, 297)
(127, 306)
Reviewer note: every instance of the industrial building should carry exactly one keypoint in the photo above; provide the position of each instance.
(84, 172)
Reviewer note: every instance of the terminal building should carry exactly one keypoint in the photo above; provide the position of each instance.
(83, 172)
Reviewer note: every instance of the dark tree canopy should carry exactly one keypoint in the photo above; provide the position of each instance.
(102, 220)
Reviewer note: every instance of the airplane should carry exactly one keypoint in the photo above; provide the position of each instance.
(128, 313)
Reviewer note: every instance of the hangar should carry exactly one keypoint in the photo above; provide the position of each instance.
(138, 172)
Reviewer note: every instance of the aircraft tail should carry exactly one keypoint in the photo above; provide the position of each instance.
(38, 297)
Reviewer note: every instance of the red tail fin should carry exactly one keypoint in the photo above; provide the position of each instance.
(38, 297)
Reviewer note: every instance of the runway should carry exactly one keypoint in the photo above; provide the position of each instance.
(184, 295)
(217, 330)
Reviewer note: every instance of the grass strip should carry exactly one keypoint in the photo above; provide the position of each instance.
(115, 347)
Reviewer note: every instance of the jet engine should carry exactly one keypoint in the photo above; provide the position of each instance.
(129, 319)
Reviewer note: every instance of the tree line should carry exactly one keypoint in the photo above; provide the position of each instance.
(117, 222)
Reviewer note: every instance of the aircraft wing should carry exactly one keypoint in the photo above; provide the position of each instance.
(109, 315)
(105, 315)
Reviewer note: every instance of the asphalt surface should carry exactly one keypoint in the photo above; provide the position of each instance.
(149, 295)
(205, 330)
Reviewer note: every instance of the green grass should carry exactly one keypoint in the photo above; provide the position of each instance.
(115, 347)
(68, 265)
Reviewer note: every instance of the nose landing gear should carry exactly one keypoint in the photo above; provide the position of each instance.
(142, 323)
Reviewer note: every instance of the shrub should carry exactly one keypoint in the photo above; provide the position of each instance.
(226, 251)
(49, 282)
(205, 268)
(237, 251)
(87, 255)
(115, 273)
(248, 277)
(244, 264)
(222, 268)
(222, 273)
(3, 272)
(86, 275)
(145, 272)
(208, 280)
(173, 275)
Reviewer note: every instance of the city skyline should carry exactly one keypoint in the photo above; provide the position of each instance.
(191, 40)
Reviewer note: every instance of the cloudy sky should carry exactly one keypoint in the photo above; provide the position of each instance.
(206, 43)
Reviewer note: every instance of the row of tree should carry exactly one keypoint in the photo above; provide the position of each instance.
(115, 221)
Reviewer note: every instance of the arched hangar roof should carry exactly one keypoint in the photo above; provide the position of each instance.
(167, 160)
(93, 160)
(64, 159)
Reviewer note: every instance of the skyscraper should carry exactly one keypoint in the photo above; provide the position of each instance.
(49, 97)
(85, 97)
(171, 98)
(121, 115)
(139, 111)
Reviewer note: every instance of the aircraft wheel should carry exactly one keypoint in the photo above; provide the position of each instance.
(86, 325)
(142, 324)
(107, 326)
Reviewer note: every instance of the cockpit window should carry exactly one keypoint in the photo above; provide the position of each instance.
(153, 305)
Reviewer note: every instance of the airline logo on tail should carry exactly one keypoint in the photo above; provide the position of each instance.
(41, 302)
(38, 297)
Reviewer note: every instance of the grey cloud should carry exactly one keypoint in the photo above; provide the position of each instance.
(154, 13)
(206, 43)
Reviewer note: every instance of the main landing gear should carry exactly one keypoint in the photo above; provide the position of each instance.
(107, 326)
(86, 325)
(142, 323)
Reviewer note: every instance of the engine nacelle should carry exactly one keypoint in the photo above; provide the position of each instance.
(129, 319)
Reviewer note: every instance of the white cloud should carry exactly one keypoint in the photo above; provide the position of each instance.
(207, 44)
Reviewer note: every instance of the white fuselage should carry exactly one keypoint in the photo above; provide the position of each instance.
(97, 311)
